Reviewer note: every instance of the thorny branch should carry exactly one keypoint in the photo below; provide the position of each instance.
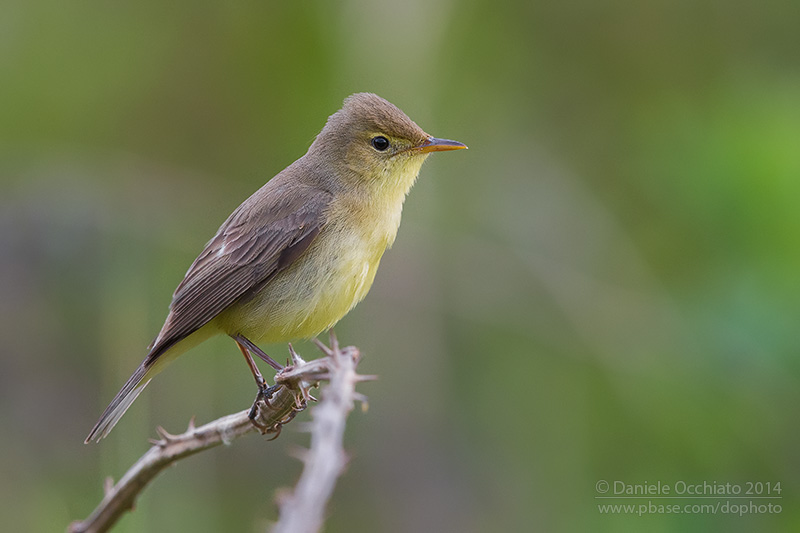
(338, 367)
(303, 510)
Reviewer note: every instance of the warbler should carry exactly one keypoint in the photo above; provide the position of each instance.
(302, 251)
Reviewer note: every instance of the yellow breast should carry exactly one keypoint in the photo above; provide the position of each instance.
(326, 282)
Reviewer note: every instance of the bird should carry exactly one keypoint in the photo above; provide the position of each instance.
(296, 256)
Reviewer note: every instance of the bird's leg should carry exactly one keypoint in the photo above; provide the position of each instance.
(263, 391)
(260, 381)
(251, 347)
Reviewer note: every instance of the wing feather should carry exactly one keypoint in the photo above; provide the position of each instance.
(263, 236)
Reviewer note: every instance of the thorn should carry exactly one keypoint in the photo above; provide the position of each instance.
(191, 426)
(296, 359)
(357, 396)
(322, 347)
(346, 459)
(366, 377)
(165, 435)
(301, 454)
(108, 485)
(283, 495)
(333, 340)
(336, 352)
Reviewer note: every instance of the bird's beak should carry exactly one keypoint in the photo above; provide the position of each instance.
(432, 144)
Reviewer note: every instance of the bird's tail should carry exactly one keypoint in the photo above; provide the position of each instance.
(124, 398)
(160, 355)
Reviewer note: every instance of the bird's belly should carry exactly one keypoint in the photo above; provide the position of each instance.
(310, 296)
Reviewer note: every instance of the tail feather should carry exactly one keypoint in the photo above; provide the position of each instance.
(121, 402)
(157, 359)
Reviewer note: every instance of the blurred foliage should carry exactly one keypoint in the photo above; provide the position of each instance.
(604, 287)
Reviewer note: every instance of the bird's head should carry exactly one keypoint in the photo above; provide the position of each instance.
(372, 144)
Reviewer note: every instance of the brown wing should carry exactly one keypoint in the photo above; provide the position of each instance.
(262, 237)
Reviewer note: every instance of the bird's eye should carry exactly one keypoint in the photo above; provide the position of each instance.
(380, 143)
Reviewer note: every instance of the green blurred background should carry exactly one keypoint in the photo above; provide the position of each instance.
(604, 287)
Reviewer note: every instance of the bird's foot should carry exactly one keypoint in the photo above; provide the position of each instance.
(264, 393)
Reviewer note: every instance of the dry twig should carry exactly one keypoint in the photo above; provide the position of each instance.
(303, 510)
(284, 404)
